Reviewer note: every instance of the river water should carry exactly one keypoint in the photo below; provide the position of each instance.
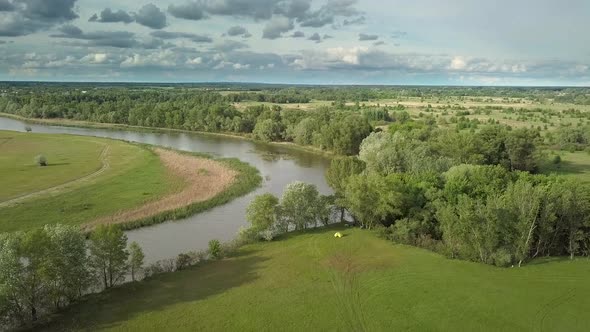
(278, 166)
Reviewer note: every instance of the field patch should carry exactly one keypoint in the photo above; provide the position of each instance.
(202, 180)
(69, 158)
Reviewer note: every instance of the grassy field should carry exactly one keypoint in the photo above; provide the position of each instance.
(134, 175)
(574, 165)
(314, 282)
(69, 158)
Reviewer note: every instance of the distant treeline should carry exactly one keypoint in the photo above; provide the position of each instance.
(340, 131)
(303, 94)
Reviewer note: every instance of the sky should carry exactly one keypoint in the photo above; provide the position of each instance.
(418, 42)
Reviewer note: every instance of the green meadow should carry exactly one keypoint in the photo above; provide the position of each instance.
(313, 281)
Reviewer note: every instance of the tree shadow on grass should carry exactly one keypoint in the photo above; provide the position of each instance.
(113, 307)
(56, 164)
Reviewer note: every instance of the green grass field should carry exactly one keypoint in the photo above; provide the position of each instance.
(69, 158)
(314, 282)
(133, 176)
(573, 165)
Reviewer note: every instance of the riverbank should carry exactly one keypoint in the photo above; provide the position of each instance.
(114, 126)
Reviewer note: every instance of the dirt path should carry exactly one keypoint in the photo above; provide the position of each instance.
(55, 189)
(204, 179)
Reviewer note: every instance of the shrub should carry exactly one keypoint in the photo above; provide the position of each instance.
(556, 160)
(215, 249)
(502, 258)
(183, 261)
(41, 160)
(28, 129)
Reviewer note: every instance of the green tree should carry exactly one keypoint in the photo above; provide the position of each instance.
(262, 212)
(108, 254)
(299, 205)
(268, 130)
(521, 145)
(368, 200)
(342, 168)
(68, 272)
(523, 200)
(215, 249)
(136, 258)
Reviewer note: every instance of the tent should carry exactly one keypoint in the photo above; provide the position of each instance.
(338, 235)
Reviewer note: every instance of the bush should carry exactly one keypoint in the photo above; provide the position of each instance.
(215, 249)
(28, 129)
(556, 160)
(502, 258)
(41, 160)
(183, 261)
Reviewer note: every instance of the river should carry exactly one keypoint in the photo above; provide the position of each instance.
(278, 166)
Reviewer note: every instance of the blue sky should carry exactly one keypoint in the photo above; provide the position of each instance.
(458, 42)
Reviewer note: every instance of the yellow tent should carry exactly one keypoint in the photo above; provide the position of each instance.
(338, 235)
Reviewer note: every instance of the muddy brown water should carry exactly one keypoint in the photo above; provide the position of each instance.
(278, 166)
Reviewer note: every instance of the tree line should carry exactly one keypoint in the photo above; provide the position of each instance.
(468, 194)
(340, 131)
(471, 195)
(47, 269)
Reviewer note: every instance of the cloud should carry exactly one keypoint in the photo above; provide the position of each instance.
(230, 45)
(298, 34)
(181, 35)
(366, 37)
(117, 39)
(355, 21)
(329, 12)
(96, 58)
(315, 37)
(165, 58)
(6, 6)
(379, 43)
(151, 16)
(237, 31)
(28, 16)
(277, 26)
(188, 11)
(194, 61)
(108, 16)
(53, 11)
(398, 34)
(257, 9)
(298, 9)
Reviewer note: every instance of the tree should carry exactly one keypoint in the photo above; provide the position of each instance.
(522, 149)
(299, 205)
(262, 212)
(523, 200)
(215, 249)
(342, 168)
(136, 258)
(573, 209)
(268, 130)
(41, 160)
(366, 199)
(68, 272)
(108, 254)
